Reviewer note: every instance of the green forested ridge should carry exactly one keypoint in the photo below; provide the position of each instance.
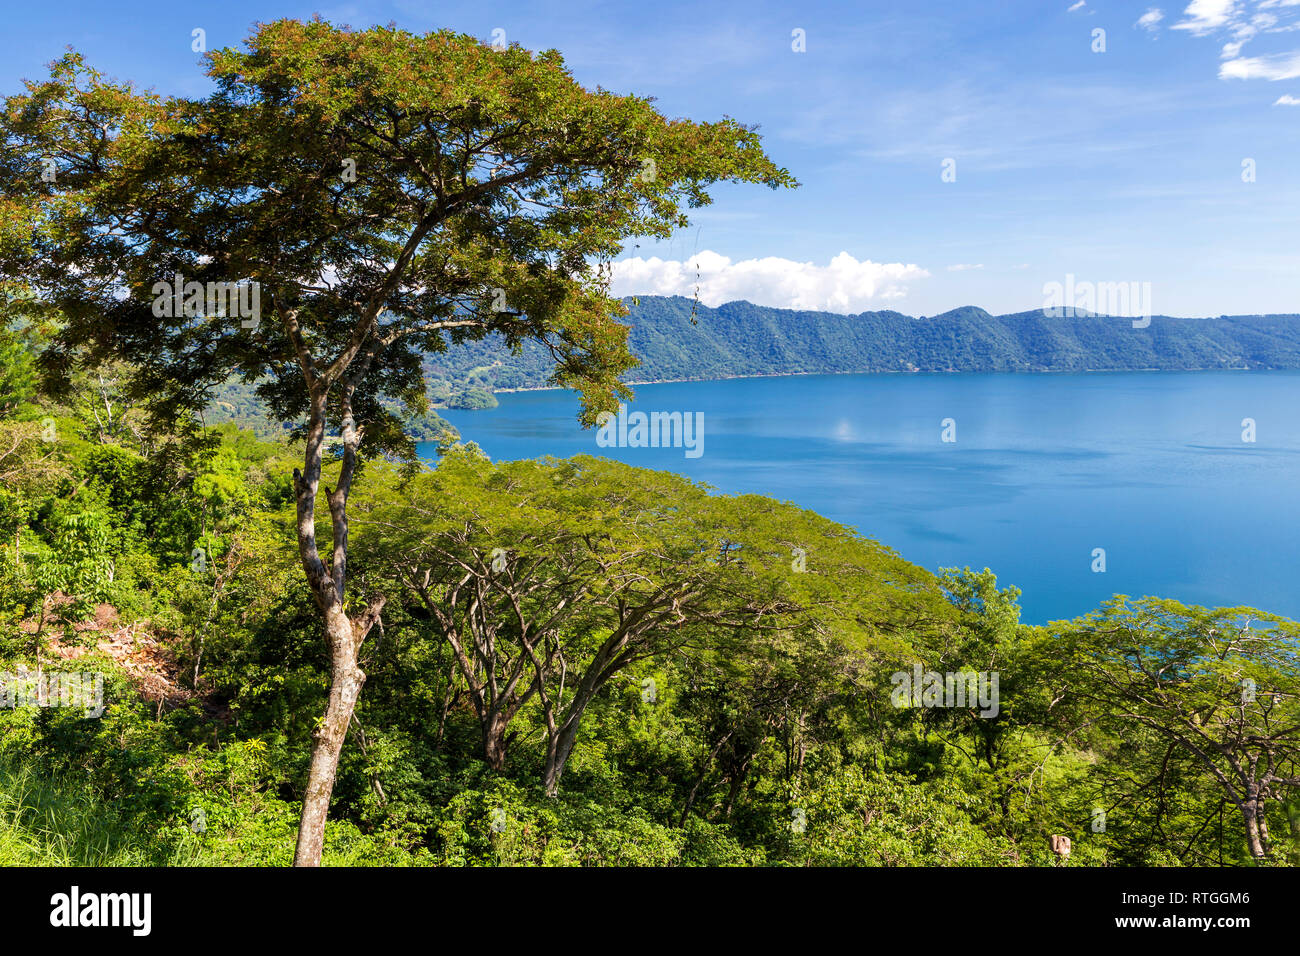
(676, 338)
(740, 338)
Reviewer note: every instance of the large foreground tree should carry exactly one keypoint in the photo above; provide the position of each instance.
(342, 203)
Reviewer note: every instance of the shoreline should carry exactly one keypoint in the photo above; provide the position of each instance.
(949, 371)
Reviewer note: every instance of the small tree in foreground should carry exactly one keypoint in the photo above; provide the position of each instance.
(1220, 686)
(342, 203)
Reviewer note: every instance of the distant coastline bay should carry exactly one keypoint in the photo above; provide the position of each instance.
(677, 339)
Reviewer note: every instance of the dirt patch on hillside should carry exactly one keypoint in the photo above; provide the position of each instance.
(135, 648)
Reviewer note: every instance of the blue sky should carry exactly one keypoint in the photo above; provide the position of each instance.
(1117, 166)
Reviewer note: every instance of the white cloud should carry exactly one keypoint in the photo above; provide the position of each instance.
(965, 266)
(845, 285)
(1150, 21)
(1286, 99)
(1077, 6)
(1206, 16)
(1239, 21)
(1282, 66)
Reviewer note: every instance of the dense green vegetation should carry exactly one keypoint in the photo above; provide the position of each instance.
(586, 663)
(676, 338)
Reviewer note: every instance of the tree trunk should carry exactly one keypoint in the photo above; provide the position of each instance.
(1261, 820)
(343, 635)
(737, 781)
(446, 706)
(494, 739)
(1250, 816)
(327, 741)
(558, 748)
(704, 773)
(611, 658)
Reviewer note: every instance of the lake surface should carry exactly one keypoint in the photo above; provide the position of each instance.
(1045, 468)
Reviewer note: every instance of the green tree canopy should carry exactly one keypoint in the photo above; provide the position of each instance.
(549, 578)
(1219, 688)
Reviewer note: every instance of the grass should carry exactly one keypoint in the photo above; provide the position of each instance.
(57, 821)
(47, 821)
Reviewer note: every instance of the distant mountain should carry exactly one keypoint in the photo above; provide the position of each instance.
(676, 339)
(740, 338)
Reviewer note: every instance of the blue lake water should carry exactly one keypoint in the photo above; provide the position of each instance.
(1045, 468)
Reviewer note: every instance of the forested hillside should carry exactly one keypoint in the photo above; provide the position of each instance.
(581, 663)
(676, 338)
